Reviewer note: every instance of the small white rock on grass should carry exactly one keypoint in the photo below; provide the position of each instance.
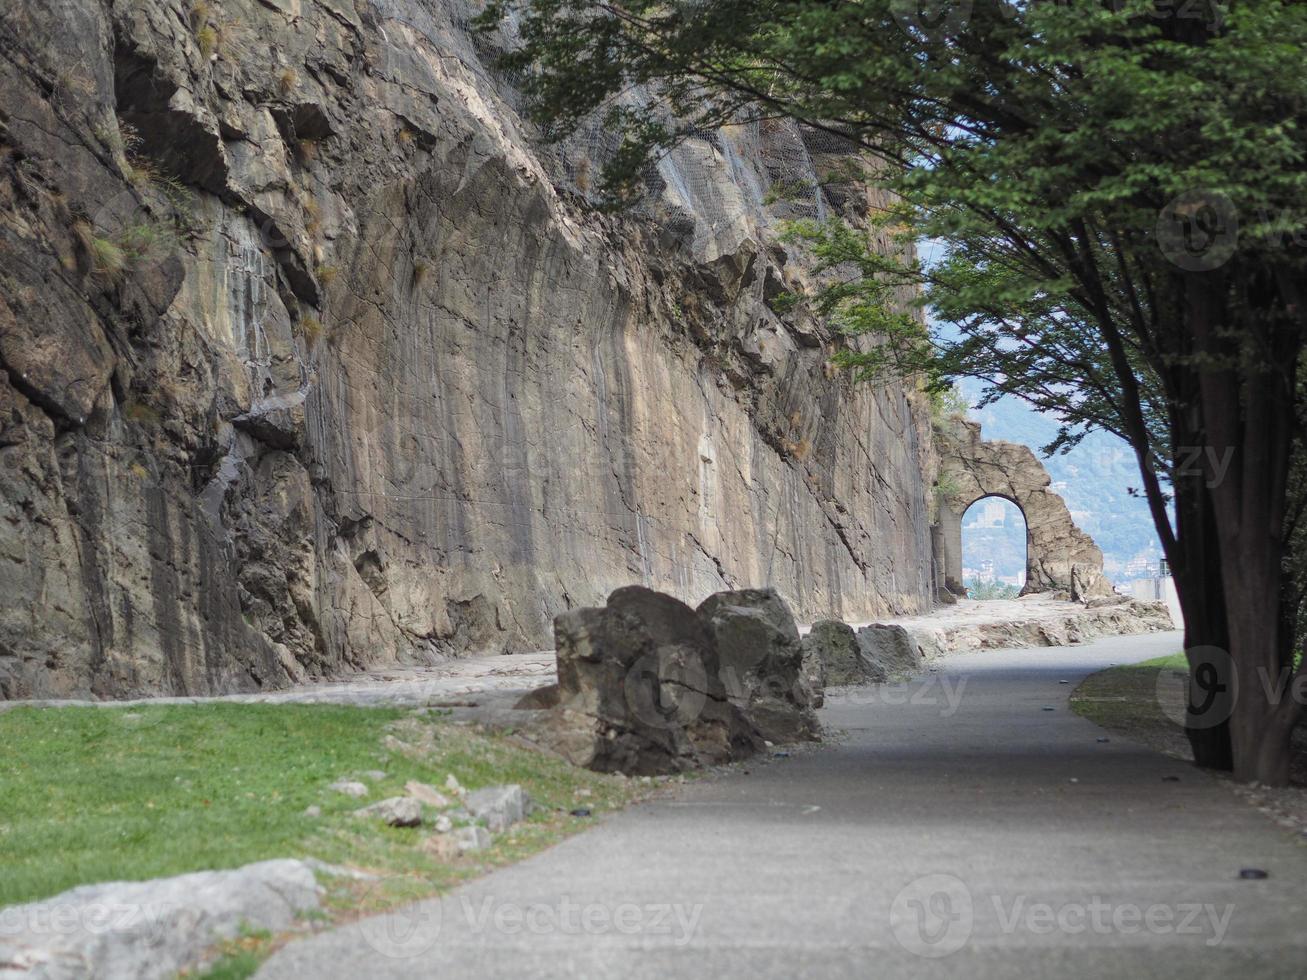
(350, 788)
(499, 806)
(425, 793)
(397, 811)
(472, 838)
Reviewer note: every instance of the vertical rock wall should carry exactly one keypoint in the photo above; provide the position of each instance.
(312, 359)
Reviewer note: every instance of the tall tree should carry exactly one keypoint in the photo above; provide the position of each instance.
(1120, 188)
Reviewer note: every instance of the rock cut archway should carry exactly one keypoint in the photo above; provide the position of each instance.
(1059, 556)
(994, 543)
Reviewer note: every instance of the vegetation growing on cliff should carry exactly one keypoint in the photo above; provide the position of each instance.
(1118, 188)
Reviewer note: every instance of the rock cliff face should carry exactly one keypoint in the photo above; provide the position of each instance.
(312, 357)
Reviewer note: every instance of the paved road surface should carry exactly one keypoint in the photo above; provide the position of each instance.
(959, 830)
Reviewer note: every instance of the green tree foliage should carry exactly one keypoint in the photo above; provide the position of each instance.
(1119, 190)
(859, 300)
(990, 589)
(947, 404)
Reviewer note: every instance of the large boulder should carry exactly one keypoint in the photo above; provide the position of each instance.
(892, 648)
(767, 602)
(761, 662)
(640, 691)
(834, 646)
(690, 694)
(593, 725)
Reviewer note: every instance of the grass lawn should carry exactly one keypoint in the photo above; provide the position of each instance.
(1145, 702)
(1140, 701)
(99, 794)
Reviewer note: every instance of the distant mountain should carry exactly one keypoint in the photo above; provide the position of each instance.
(1092, 478)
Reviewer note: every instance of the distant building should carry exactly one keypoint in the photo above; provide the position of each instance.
(1156, 585)
(1144, 564)
(991, 512)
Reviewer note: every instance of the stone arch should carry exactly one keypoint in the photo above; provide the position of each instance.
(1059, 556)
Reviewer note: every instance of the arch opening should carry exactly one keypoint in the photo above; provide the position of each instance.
(995, 548)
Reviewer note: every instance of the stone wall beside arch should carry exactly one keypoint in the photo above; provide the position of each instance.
(1059, 556)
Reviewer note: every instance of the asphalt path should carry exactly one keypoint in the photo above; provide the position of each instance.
(955, 826)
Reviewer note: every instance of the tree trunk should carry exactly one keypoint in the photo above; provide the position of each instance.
(1246, 387)
(1264, 709)
(1196, 568)
(1265, 715)
(1211, 686)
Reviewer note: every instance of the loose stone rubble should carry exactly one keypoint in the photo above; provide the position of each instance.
(397, 811)
(1033, 621)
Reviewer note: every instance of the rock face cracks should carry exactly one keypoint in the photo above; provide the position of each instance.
(312, 357)
(1059, 556)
